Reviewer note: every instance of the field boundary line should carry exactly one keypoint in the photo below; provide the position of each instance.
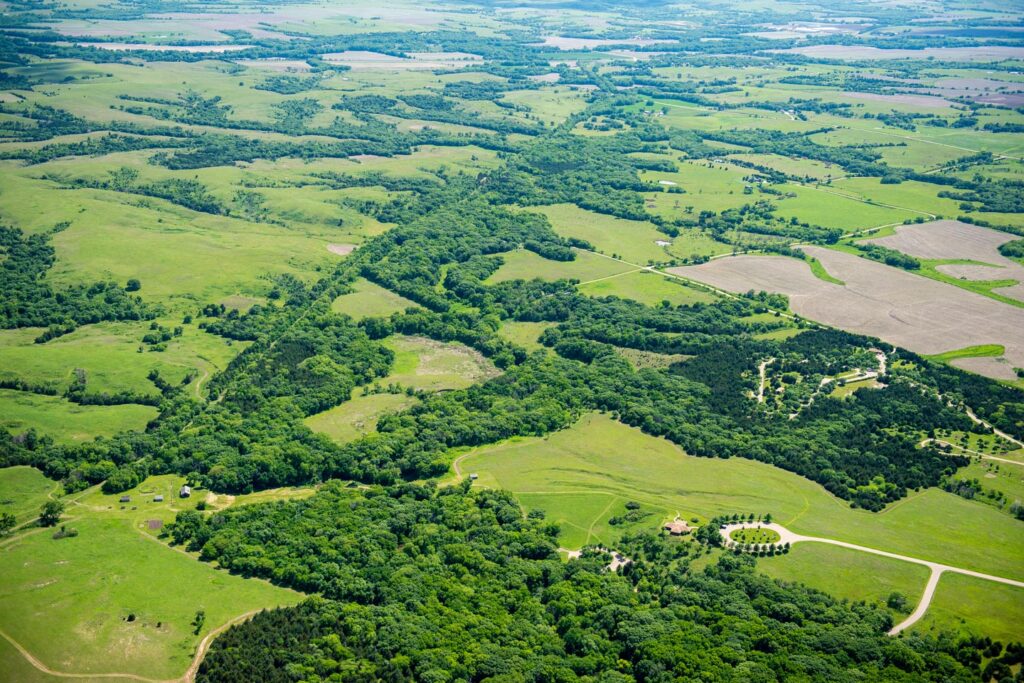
(609, 277)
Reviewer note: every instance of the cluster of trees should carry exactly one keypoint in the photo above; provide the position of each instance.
(28, 300)
(425, 584)
(890, 257)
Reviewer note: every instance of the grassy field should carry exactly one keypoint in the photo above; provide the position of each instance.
(968, 605)
(357, 417)
(430, 365)
(370, 299)
(849, 387)
(606, 464)
(115, 598)
(68, 422)
(647, 288)
(525, 334)
(526, 265)
(848, 574)
(980, 351)
(634, 241)
(754, 536)
(23, 490)
(109, 354)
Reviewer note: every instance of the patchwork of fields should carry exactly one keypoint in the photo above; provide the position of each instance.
(428, 309)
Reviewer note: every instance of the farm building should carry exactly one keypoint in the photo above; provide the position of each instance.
(126, 499)
(677, 527)
(158, 499)
(185, 492)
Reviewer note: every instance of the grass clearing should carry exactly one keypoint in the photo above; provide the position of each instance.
(526, 334)
(68, 422)
(370, 300)
(647, 288)
(357, 417)
(635, 241)
(68, 601)
(430, 365)
(109, 354)
(23, 490)
(526, 265)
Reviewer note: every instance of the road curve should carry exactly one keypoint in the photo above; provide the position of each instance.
(937, 569)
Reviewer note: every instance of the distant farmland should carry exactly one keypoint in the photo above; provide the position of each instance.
(902, 308)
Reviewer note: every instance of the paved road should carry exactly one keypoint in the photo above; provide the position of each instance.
(937, 569)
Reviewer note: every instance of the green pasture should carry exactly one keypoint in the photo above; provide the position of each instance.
(369, 299)
(832, 209)
(115, 599)
(647, 288)
(795, 166)
(977, 607)
(183, 258)
(109, 354)
(603, 460)
(980, 351)
(525, 334)
(634, 241)
(848, 574)
(23, 490)
(68, 422)
(357, 417)
(526, 265)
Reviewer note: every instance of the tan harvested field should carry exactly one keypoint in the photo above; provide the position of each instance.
(566, 43)
(997, 368)
(917, 313)
(166, 48)
(956, 240)
(913, 100)
(275, 64)
(949, 240)
(963, 54)
(360, 59)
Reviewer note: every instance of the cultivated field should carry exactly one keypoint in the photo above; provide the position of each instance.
(959, 242)
(904, 309)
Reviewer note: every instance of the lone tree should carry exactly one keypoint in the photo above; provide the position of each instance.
(133, 285)
(50, 513)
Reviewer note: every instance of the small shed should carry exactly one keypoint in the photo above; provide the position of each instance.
(158, 499)
(677, 527)
(185, 492)
(126, 499)
(474, 476)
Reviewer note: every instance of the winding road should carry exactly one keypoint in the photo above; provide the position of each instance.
(937, 569)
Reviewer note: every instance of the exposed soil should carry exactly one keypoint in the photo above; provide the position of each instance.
(922, 315)
(341, 249)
